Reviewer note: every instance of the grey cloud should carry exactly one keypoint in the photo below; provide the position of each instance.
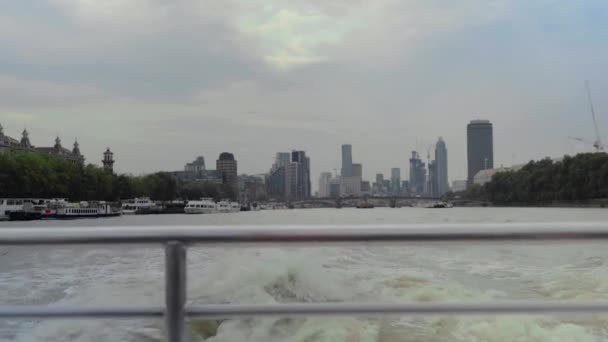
(183, 79)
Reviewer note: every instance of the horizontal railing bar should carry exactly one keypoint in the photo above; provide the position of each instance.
(405, 309)
(39, 311)
(303, 234)
(228, 311)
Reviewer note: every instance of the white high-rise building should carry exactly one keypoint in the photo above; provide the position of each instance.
(324, 183)
(350, 186)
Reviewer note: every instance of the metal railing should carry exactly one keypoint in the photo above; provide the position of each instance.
(175, 240)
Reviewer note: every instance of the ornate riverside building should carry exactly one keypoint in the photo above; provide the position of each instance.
(8, 144)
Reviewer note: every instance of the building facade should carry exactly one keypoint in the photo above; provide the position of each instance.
(357, 170)
(282, 159)
(226, 166)
(252, 188)
(351, 186)
(7, 143)
(289, 177)
(458, 185)
(366, 188)
(73, 156)
(395, 180)
(276, 184)
(197, 166)
(378, 186)
(417, 174)
(108, 161)
(431, 181)
(480, 148)
(441, 167)
(324, 181)
(298, 176)
(335, 188)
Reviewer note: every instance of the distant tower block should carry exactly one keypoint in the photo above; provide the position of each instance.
(108, 160)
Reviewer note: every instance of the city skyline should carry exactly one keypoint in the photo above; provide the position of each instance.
(181, 80)
(429, 169)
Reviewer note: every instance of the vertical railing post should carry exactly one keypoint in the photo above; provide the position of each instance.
(175, 291)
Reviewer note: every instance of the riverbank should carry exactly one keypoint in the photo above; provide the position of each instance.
(596, 203)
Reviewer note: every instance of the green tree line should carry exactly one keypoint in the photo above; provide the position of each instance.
(580, 178)
(30, 174)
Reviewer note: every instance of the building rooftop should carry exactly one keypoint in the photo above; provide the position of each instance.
(479, 121)
(226, 156)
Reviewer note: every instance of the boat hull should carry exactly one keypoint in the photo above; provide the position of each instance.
(71, 217)
(199, 211)
(24, 216)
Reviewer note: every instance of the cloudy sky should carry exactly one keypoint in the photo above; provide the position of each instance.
(161, 82)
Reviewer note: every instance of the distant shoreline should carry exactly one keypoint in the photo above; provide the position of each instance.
(599, 203)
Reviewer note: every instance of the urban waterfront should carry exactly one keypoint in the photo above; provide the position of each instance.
(121, 275)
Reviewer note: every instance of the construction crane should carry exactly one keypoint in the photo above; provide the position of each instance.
(599, 147)
(597, 144)
(584, 141)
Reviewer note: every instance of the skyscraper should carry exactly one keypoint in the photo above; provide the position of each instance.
(282, 159)
(277, 184)
(227, 169)
(298, 176)
(441, 168)
(347, 160)
(432, 186)
(378, 186)
(417, 174)
(480, 148)
(395, 180)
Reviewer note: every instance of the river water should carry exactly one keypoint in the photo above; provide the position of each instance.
(469, 272)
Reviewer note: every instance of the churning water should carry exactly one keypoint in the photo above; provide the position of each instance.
(133, 275)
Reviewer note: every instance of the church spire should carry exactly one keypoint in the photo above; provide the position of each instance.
(108, 161)
(76, 150)
(25, 139)
(58, 143)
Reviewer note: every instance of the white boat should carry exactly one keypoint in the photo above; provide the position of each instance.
(132, 206)
(202, 206)
(86, 209)
(226, 206)
(8, 205)
(223, 206)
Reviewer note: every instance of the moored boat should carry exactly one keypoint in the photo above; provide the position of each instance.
(138, 205)
(202, 206)
(226, 206)
(86, 210)
(439, 205)
(9, 205)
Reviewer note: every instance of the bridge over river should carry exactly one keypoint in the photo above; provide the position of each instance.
(392, 201)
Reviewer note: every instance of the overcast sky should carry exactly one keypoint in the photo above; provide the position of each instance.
(161, 82)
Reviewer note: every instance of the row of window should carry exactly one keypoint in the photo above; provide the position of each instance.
(81, 211)
(204, 206)
(18, 201)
